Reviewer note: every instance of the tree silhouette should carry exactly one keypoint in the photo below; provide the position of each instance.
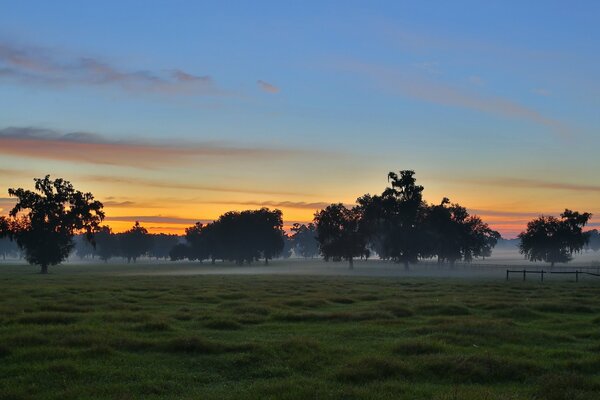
(304, 240)
(288, 247)
(454, 235)
(106, 243)
(594, 240)
(340, 233)
(83, 248)
(179, 252)
(268, 234)
(162, 243)
(236, 236)
(552, 239)
(394, 220)
(8, 248)
(43, 222)
(197, 238)
(135, 242)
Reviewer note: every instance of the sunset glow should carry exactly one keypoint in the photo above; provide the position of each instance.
(210, 114)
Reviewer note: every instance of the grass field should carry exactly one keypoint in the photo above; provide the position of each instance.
(98, 335)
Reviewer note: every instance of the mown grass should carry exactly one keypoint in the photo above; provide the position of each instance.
(99, 336)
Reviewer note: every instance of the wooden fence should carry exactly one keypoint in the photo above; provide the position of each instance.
(541, 273)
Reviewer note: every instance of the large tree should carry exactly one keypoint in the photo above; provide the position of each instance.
(43, 222)
(236, 236)
(268, 233)
(394, 220)
(453, 235)
(340, 233)
(554, 240)
(198, 241)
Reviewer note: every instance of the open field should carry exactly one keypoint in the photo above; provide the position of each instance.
(114, 331)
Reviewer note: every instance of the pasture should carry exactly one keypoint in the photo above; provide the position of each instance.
(139, 332)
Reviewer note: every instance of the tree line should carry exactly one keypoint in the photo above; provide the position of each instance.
(49, 223)
(399, 225)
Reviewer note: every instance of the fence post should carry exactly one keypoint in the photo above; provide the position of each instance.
(542, 274)
(577, 276)
(506, 274)
(524, 273)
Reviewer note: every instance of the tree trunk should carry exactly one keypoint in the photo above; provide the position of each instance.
(350, 263)
(266, 261)
(213, 261)
(44, 269)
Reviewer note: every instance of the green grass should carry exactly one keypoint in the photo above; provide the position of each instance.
(97, 335)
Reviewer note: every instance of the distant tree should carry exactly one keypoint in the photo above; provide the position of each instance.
(162, 243)
(594, 240)
(288, 246)
(135, 242)
(106, 243)
(340, 233)
(552, 239)
(238, 236)
(304, 240)
(83, 248)
(43, 222)
(180, 251)
(8, 248)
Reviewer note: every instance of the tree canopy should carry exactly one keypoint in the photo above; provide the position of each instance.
(554, 240)
(43, 222)
(135, 242)
(340, 233)
(400, 226)
(242, 237)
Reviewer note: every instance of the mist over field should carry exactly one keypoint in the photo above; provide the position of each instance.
(300, 200)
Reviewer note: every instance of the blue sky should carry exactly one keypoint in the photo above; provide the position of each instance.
(494, 104)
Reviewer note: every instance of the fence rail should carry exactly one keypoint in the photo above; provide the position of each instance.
(524, 272)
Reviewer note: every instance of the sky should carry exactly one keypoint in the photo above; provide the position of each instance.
(172, 112)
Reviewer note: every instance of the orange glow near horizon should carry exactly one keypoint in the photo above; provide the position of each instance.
(170, 207)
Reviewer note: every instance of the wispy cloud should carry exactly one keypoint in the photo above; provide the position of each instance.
(267, 87)
(511, 215)
(133, 182)
(476, 80)
(39, 65)
(92, 148)
(542, 92)
(431, 67)
(161, 219)
(433, 91)
(278, 204)
(532, 184)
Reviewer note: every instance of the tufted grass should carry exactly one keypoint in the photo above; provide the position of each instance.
(94, 335)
